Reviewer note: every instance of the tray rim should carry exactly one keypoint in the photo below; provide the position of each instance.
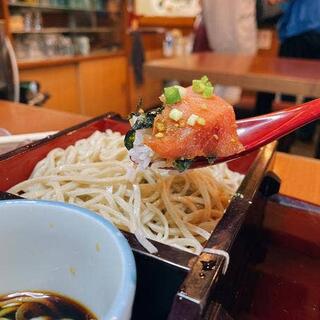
(194, 291)
(69, 130)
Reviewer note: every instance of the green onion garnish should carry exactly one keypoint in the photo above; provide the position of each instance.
(172, 95)
(205, 79)
(203, 86)
(207, 92)
(198, 86)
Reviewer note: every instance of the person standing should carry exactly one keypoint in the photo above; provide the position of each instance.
(299, 33)
(231, 28)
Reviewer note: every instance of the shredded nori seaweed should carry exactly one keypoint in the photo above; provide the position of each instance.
(129, 139)
(144, 121)
(182, 164)
(211, 159)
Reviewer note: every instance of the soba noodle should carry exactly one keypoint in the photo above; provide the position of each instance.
(96, 173)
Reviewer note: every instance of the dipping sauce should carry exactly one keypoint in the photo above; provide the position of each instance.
(42, 306)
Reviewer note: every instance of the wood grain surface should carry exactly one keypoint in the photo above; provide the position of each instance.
(300, 176)
(60, 82)
(62, 60)
(292, 76)
(20, 118)
(103, 86)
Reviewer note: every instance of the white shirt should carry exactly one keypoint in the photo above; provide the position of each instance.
(231, 28)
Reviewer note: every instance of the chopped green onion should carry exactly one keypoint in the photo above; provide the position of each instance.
(175, 114)
(182, 91)
(198, 86)
(205, 80)
(172, 95)
(192, 120)
(201, 121)
(207, 92)
(203, 86)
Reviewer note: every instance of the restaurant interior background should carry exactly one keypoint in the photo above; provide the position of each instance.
(77, 59)
(85, 42)
(93, 47)
(51, 37)
(87, 56)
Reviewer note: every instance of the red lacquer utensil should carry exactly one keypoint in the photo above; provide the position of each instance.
(258, 131)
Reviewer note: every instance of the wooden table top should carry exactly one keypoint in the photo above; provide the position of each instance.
(20, 118)
(284, 75)
(300, 176)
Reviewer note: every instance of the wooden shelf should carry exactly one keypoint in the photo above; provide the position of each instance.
(166, 22)
(55, 61)
(77, 83)
(66, 30)
(50, 8)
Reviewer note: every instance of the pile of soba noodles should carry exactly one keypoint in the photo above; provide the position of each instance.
(96, 173)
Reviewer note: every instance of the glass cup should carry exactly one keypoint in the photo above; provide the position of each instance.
(37, 21)
(27, 21)
(82, 45)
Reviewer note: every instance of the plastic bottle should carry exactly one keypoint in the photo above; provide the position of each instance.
(168, 45)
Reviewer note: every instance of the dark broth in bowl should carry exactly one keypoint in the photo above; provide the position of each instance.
(42, 306)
